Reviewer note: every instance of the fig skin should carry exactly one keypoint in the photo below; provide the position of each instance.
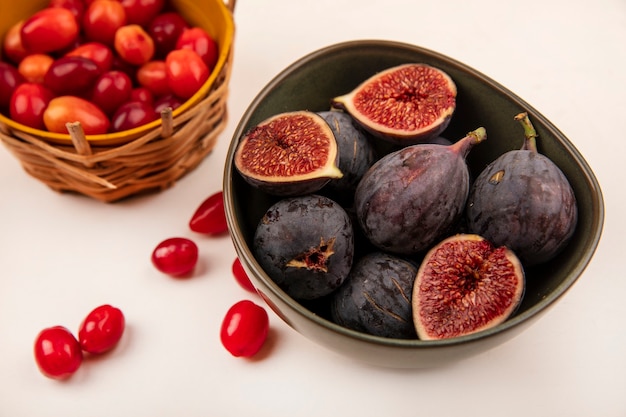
(289, 154)
(412, 197)
(404, 105)
(465, 285)
(305, 245)
(522, 200)
(376, 297)
(440, 140)
(356, 152)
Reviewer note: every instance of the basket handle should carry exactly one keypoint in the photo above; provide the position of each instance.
(230, 4)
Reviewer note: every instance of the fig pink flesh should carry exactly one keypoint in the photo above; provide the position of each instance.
(465, 285)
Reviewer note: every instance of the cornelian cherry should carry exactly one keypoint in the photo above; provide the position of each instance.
(71, 75)
(133, 44)
(168, 100)
(209, 217)
(48, 30)
(244, 329)
(57, 352)
(34, 67)
(111, 90)
(12, 47)
(68, 109)
(28, 103)
(77, 7)
(199, 41)
(10, 78)
(102, 329)
(102, 19)
(186, 72)
(141, 12)
(176, 256)
(98, 52)
(241, 276)
(141, 94)
(152, 76)
(132, 114)
(165, 30)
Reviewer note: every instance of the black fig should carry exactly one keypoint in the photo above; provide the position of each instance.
(306, 245)
(409, 198)
(406, 104)
(439, 140)
(356, 152)
(289, 154)
(465, 285)
(376, 297)
(522, 200)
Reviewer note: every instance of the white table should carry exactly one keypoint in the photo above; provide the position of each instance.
(61, 255)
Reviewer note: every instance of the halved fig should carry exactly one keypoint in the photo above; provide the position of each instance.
(289, 154)
(406, 104)
(465, 285)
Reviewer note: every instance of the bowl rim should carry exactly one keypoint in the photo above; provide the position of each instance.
(249, 262)
(126, 136)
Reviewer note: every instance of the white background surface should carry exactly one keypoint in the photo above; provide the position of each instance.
(62, 255)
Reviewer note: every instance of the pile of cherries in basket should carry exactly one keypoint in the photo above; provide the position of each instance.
(111, 65)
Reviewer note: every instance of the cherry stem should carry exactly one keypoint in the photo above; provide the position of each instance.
(530, 134)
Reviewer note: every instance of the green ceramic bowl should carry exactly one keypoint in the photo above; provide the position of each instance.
(309, 84)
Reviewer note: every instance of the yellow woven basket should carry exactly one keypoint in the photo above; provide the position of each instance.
(149, 158)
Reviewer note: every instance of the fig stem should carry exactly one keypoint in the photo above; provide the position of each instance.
(479, 135)
(474, 137)
(530, 134)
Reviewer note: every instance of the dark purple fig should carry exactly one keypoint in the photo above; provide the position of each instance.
(305, 245)
(465, 285)
(439, 140)
(522, 200)
(410, 198)
(289, 154)
(376, 297)
(406, 104)
(356, 153)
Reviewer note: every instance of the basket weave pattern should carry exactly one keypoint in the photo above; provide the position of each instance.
(151, 162)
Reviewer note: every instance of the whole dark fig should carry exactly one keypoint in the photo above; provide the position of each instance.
(439, 140)
(522, 200)
(405, 104)
(289, 154)
(305, 245)
(356, 153)
(409, 198)
(465, 285)
(376, 297)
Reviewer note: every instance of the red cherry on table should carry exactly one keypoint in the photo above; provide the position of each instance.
(244, 329)
(102, 329)
(242, 277)
(210, 217)
(57, 352)
(176, 256)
